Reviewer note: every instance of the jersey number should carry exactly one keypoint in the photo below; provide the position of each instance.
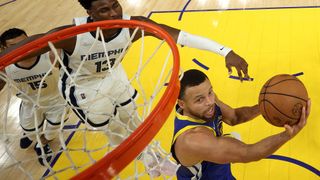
(36, 85)
(103, 65)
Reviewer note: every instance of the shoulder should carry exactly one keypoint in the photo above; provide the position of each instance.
(139, 18)
(142, 18)
(60, 28)
(192, 144)
(194, 136)
(80, 20)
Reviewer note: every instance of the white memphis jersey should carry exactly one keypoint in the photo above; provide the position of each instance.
(95, 61)
(28, 80)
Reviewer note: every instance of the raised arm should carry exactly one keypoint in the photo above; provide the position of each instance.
(198, 42)
(200, 144)
(52, 57)
(239, 115)
(172, 31)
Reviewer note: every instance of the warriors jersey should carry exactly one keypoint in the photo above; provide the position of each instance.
(28, 80)
(203, 170)
(94, 60)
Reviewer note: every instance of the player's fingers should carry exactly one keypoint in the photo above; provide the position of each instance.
(288, 129)
(245, 70)
(229, 69)
(302, 121)
(240, 74)
(308, 108)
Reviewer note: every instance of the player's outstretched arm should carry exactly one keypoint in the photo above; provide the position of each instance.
(236, 116)
(198, 42)
(199, 144)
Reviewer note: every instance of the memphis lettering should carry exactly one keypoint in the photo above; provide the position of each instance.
(31, 78)
(99, 55)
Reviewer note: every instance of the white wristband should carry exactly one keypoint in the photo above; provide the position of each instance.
(202, 43)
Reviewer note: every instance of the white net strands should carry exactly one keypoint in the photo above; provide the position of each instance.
(92, 110)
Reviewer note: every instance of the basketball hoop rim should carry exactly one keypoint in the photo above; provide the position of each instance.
(111, 164)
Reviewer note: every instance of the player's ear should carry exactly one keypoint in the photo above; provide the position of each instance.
(89, 12)
(181, 103)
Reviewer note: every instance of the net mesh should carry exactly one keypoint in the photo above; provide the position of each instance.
(77, 144)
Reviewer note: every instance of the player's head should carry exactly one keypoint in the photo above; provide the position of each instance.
(196, 97)
(100, 10)
(12, 36)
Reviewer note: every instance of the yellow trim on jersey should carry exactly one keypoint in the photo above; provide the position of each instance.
(188, 128)
(187, 118)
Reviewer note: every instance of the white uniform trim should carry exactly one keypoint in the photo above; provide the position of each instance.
(98, 91)
(28, 80)
(50, 106)
(196, 170)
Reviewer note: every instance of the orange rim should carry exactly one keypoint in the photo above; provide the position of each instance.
(115, 161)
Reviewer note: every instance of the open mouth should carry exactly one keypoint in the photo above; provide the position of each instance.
(210, 111)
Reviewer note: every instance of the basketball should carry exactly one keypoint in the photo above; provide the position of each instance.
(281, 100)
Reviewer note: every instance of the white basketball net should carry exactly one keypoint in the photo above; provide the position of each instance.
(76, 145)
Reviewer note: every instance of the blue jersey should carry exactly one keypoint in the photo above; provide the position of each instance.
(204, 170)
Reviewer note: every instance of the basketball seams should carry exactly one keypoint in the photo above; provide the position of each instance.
(274, 93)
(279, 110)
(263, 99)
(267, 86)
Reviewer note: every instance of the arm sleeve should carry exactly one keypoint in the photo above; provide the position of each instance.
(202, 43)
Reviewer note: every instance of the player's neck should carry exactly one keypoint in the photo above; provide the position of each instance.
(111, 33)
(28, 62)
(190, 115)
(195, 117)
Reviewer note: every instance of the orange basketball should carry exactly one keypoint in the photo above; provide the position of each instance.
(281, 100)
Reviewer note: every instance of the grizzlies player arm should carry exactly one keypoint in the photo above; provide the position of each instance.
(67, 44)
(198, 42)
(236, 116)
(2, 82)
(172, 31)
(52, 57)
(200, 144)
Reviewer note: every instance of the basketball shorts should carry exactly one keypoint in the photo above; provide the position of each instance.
(95, 100)
(53, 113)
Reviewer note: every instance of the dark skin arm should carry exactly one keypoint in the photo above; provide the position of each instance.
(172, 31)
(2, 84)
(232, 59)
(200, 144)
(53, 57)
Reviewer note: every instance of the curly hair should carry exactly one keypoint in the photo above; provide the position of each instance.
(86, 3)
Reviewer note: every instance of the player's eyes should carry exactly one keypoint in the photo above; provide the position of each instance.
(103, 10)
(115, 5)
